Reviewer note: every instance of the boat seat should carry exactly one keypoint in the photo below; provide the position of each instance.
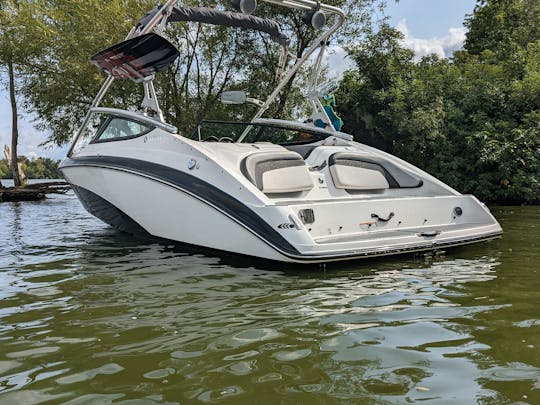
(356, 171)
(277, 172)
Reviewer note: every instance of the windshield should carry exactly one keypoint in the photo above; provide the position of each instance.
(105, 127)
(94, 125)
(222, 131)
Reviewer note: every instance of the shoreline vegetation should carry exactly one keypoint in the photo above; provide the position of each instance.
(34, 169)
(471, 120)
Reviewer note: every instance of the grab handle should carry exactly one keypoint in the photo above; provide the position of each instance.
(390, 216)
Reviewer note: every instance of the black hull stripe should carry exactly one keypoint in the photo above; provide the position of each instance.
(196, 187)
(108, 213)
(240, 213)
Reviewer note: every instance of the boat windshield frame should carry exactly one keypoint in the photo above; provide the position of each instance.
(311, 134)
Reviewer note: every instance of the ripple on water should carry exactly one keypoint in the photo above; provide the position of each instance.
(513, 372)
(159, 374)
(528, 323)
(239, 368)
(245, 338)
(106, 369)
(88, 315)
(8, 365)
(242, 356)
(292, 355)
(220, 394)
(88, 399)
(38, 351)
(30, 397)
(180, 354)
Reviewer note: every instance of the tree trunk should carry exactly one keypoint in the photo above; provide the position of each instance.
(14, 126)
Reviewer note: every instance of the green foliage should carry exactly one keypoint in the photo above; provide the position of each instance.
(40, 168)
(16, 48)
(5, 170)
(18, 37)
(59, 83)
(473, 121)
(502, 27)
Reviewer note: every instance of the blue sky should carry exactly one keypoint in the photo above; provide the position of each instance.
(430, 18)
(429, 26)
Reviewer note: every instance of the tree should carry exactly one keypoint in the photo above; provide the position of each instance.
(59, 84)
(39, 168)
(58, 81)
(366, 92)
(10, 55)
(5, 170)
(503, 62)
(502, 26)
(473, 120)
(21, 40)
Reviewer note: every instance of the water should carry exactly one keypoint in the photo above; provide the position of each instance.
(90, 316)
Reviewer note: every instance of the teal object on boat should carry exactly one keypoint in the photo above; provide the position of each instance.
(329, 102)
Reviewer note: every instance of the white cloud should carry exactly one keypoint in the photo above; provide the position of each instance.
(443, 47)
(338, 61)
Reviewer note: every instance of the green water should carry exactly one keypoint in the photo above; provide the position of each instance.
(90, 316)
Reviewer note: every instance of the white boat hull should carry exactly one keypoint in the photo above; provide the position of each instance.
(164, 211)
(180, 209)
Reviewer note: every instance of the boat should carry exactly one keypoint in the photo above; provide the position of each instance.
(302, 192)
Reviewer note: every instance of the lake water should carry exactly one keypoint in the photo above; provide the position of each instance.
(91, 316)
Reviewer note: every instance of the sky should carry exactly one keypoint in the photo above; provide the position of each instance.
(428, 26)
(431, 26)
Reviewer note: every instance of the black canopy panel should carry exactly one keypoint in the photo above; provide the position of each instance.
(137, 57)
(230, 19)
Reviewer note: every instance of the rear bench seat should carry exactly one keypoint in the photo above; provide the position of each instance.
(356, 171)
(277, 172)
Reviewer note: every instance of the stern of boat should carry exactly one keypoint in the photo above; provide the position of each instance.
(334, 230)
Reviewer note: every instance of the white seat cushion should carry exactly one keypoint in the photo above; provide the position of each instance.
(357, 178)
(277, 172)
(361, 171)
